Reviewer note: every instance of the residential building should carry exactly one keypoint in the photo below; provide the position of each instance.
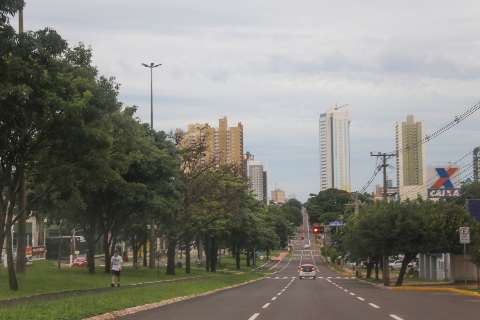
(278, 196)
(224, 145)
(256, 178)
(334, 136)
(265, 188)
(391, 191)
(411, 156)
(476, 164)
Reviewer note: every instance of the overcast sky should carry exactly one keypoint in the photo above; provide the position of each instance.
(275, 65)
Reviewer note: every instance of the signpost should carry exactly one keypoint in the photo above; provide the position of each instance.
(464, 233)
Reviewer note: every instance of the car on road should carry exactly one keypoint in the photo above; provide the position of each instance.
(307, 271)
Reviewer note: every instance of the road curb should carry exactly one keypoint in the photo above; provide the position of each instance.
(132, 310)
(438, 289)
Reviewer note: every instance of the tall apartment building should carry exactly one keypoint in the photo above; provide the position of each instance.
(224, 145)
(334, 136)
(476, 164)
(278, 196)
(411, 156)
(256, 178)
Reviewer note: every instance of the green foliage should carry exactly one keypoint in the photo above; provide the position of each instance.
(328, 206)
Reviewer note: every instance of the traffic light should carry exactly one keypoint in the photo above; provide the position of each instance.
(316, 230)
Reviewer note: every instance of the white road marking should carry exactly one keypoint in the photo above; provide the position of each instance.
(341, 288)
(254, 316)
(265, 306)
(339, 277)
(395, 317)
(373, 305)
(352, 294)
(274, 298)
(360, 298)
(345, 290)
(279, 294)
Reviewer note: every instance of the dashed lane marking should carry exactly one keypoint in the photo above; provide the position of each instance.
(265, 306)
(360, 298)
(373, 305)
(254, 316)
(395, 317)
(352, 294)
(274, 298)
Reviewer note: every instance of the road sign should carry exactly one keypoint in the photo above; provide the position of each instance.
(464, 233)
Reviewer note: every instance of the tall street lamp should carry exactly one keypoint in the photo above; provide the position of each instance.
(151, 66)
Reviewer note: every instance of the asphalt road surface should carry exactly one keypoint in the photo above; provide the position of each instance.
(329, 297)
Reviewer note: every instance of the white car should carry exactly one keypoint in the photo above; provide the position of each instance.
(307, 271)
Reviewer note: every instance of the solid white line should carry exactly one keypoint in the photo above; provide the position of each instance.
(360, 298)
(373, 305)
(265, 306)
(254, 316)
(274, 298)
(395, 317)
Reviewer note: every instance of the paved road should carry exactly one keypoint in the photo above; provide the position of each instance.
(329, 297)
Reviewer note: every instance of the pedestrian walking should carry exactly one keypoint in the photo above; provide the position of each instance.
(116, 266)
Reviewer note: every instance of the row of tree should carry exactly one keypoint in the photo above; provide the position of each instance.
(72, 152)
(384, 229)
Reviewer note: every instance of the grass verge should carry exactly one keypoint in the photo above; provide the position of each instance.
(44, 277)
(85, 306)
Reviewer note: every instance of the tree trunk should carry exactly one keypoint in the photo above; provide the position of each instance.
(135, 252)
(12, 276)
(386, 271)
(247, 255)
(254, 257)
(22, 226)
(237, 256)
(213, 253)
(153, 245)
(403, 269)
(145, 252)
(91, 250)
(106, 249)
(187, 258)
(171, 256)
(377, 271)
(207, 253)
(199, 250)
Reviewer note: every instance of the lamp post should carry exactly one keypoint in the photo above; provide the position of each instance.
(151, 66)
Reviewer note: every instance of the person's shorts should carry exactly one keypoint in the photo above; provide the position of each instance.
(116, 273)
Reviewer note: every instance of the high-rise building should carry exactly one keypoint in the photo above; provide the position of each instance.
(334, 135)
(265, 188)
(278, 196)
(256, 178)
(476, 164)
(411, 169)
(224, 146)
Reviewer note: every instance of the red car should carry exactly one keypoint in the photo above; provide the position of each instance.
(79, 262)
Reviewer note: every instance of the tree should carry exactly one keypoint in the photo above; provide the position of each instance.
(328, 205)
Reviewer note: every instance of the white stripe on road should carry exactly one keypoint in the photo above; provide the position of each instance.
(274, 298)
(395, 317)
(254, 316)
(373, 305)
(360, 298)
(352, 294)
(265, 306)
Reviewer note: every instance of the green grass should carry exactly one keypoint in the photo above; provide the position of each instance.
(85, 306)
(44, 277)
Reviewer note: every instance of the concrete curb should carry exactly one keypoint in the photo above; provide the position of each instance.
(121, 313)
(438, 289)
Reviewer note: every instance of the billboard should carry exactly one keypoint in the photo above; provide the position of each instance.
(445, 183)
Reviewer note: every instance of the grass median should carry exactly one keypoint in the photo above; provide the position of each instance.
(85, 306)
(44, 277)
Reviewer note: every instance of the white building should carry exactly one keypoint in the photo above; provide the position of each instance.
(334, 136)
(255, 177)
(411, 155)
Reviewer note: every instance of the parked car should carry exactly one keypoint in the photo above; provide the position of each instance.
(79, 262)
(307, 271)
(395, 265)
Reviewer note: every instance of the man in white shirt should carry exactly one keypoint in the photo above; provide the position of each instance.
(116, 266)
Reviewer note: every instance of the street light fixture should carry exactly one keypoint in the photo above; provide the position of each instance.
(151, 66)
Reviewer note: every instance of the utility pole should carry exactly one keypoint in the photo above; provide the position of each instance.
(384, 165)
